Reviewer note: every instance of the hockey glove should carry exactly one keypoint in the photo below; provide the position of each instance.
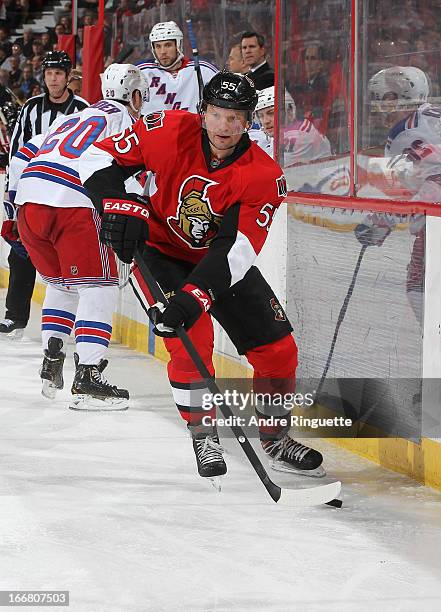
(371, 235)
(9, 231)
(184, 309)
(124, 225)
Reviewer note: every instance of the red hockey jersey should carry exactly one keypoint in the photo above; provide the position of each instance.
(213, 214)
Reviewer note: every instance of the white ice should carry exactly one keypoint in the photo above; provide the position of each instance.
(110, 507)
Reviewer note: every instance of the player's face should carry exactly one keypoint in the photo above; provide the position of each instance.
(266, 120)
(253, 54)
(56, 82)
(390, 112)
(166, 52)
(225, 127)
(235, 60)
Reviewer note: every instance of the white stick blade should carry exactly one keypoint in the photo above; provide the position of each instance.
(314, 496)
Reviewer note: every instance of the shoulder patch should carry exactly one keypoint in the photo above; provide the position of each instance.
(154, 120)
(282, 188)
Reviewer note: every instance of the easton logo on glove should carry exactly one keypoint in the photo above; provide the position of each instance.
(203, 299)
(125, 207)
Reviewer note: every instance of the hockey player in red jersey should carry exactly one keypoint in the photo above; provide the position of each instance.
(59, 227)
(212, 200)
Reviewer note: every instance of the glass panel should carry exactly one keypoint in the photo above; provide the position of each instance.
(314, 145)
(399, 127)
(357, 312)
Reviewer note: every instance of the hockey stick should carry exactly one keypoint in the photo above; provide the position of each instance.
(13, 95)
(195, 52)
(341, 316)
(322, 494)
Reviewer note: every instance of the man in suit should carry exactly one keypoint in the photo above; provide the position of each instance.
(254, 57)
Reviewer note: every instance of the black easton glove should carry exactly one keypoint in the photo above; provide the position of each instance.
(184, 309)
(124, 224)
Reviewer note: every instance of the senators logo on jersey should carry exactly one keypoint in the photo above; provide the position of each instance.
(195, 222)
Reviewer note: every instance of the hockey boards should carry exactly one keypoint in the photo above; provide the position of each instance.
(293, 498)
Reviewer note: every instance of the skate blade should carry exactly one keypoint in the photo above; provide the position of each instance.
(16, 335)
(281, 466)
(88, 403)
(48, 389)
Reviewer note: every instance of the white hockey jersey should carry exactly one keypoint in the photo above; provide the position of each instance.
(45, 169)
(174, 90)
(414, 151)
(302, 143)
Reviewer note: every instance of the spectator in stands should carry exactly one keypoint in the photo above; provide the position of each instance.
(235, 60)
(26, 41)
(27, 82)
(16, 53)
(46, 41)
(254, 57)
(65, 9)
(59, 30)
(89, 19)
(36, 47)
(310, 92)
(37, 68)
(15, 72)
(5, 42)
(67, 22)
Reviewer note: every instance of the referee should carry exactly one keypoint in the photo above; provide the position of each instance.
(35, 117)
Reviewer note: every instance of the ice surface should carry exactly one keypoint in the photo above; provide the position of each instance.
(109, 507)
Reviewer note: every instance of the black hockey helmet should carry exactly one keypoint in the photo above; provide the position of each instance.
(56, 59)
(230, 90)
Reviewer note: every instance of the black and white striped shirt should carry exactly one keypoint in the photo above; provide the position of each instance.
(38, 114)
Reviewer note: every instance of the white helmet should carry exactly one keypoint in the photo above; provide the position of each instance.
(408, 84)
(119, 81)
(167, 30)
(266, 100)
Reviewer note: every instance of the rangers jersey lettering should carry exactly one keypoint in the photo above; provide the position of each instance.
(216, 217)
(45, 170)
(174, 90)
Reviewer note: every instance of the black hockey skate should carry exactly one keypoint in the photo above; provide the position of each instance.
(51, 372)
(12, 329)
(208, 452)
(91, 391)
(287, 455)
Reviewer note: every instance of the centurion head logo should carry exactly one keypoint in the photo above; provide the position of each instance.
(195, 222)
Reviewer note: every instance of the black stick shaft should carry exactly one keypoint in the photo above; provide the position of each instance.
(341, 316)
(195, 52)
